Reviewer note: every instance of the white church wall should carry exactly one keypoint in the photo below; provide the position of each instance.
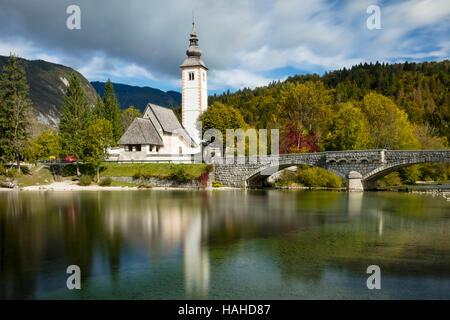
(191, 101)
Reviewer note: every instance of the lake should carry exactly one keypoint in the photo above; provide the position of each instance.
(223, 244)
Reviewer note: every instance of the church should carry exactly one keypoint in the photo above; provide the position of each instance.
(158, 135)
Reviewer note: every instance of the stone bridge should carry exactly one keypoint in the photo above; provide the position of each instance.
(361, 168)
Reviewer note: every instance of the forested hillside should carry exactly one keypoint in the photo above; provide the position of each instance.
(370, 106)
(419, 89)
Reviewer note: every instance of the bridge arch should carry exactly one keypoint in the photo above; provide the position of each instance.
(258, 177)
(380, 172)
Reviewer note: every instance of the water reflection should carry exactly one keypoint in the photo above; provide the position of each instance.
(125, 240)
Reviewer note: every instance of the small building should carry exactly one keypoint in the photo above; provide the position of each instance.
(157, 136)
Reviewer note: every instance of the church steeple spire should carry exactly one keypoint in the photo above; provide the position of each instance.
(193, 50)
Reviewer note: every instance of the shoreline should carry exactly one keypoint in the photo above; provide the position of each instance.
(73, 186)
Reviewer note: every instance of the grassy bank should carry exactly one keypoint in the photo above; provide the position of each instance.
(38, 175)
(158, 170)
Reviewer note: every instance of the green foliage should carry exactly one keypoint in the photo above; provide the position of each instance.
(316, 177)
(98, 138)
(45, 145)
(419, 89)
(105, 182)
(129, 115)
(217, 184)
(156, 170)
(75, 118)
(306, 104)
(15, 108)
(222, 117)
(349, 129)
(391, 180)
(389, 126)
(25, 170)
(70, 170)
(112, 111)
(411, 174)
(85, 181)
(2, 170)
(99, 109)
(179, 175)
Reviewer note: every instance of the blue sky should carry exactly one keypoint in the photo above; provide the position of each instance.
(245, 43)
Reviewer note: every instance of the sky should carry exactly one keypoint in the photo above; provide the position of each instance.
(245, 43)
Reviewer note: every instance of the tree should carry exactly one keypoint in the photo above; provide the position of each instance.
(222, 117)
(128, 115)
(293, 141)
(99, 137)
(349, 130)
(75, 118)
(112, 110)
(308, 105)
(15, 108)
(99, 108)
(389, 126)
(45, 145)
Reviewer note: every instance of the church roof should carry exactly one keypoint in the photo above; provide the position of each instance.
(169, 122)
(165, 117)
(193, 62)
(141, 131)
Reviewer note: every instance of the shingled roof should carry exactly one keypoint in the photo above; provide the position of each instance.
(141, 131)
(169, 122)
(165, 117)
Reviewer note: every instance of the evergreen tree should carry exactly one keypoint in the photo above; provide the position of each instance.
(14, 111)
(99, 108)
(112, 111)
(76, 116)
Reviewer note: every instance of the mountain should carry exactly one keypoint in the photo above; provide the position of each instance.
(48, 82)
(140, 96)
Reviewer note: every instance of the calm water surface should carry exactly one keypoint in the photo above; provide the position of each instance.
(223, 244)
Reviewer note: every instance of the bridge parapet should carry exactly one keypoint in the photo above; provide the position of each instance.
(360, 156)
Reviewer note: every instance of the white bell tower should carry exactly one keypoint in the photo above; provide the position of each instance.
(194, 89)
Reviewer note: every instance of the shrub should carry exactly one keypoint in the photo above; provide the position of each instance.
(316, 177)
(138, 174)
(105, 182)
(25, 170)
(216, 184)
(11, 173)
(392, 179)
(147, 175)
(179, 176)
(2, 170)
(85, 181)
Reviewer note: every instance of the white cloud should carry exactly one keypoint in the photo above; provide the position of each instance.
(236, 78)
(101, 68)
(240, 39)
